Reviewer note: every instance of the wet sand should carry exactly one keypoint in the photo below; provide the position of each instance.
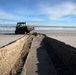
(63, 56)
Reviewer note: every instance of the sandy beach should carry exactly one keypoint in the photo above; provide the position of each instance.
(6, 39)
(38, 54)
(37, 37)
(69, 39)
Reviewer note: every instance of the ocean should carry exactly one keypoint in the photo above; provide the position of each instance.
(48, 29)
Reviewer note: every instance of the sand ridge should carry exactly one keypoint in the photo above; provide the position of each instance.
(53, 51)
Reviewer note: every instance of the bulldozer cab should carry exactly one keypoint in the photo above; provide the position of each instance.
(21, 28)
(21, 24)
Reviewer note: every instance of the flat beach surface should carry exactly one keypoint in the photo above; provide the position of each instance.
(6, 39)
(69, 39)
(66, 37)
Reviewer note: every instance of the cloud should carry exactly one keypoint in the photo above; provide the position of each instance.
(42, 12)
(9, 16)
(57, 12)
(4, 15)
(27, 12)
(36, 19)
(51, 12)
(23, 11)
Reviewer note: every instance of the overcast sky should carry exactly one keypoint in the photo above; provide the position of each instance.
(41, 12)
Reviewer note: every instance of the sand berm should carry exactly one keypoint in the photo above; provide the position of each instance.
(37, 54)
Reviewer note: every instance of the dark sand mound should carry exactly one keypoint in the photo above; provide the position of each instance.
(49, 56)
(63, 56)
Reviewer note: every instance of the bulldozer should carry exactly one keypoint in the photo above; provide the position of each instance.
(22, 28)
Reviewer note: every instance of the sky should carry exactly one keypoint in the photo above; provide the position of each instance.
(38, 12)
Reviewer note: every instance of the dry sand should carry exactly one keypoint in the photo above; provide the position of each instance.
(60, 48)
(69, 39)
(6, 39)
(62, 57)
(13, 56)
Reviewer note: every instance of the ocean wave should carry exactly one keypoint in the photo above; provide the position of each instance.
(9, 28)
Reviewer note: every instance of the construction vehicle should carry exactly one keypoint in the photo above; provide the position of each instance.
(21, 28)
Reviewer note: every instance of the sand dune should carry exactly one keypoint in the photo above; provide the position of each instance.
(63, 56)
